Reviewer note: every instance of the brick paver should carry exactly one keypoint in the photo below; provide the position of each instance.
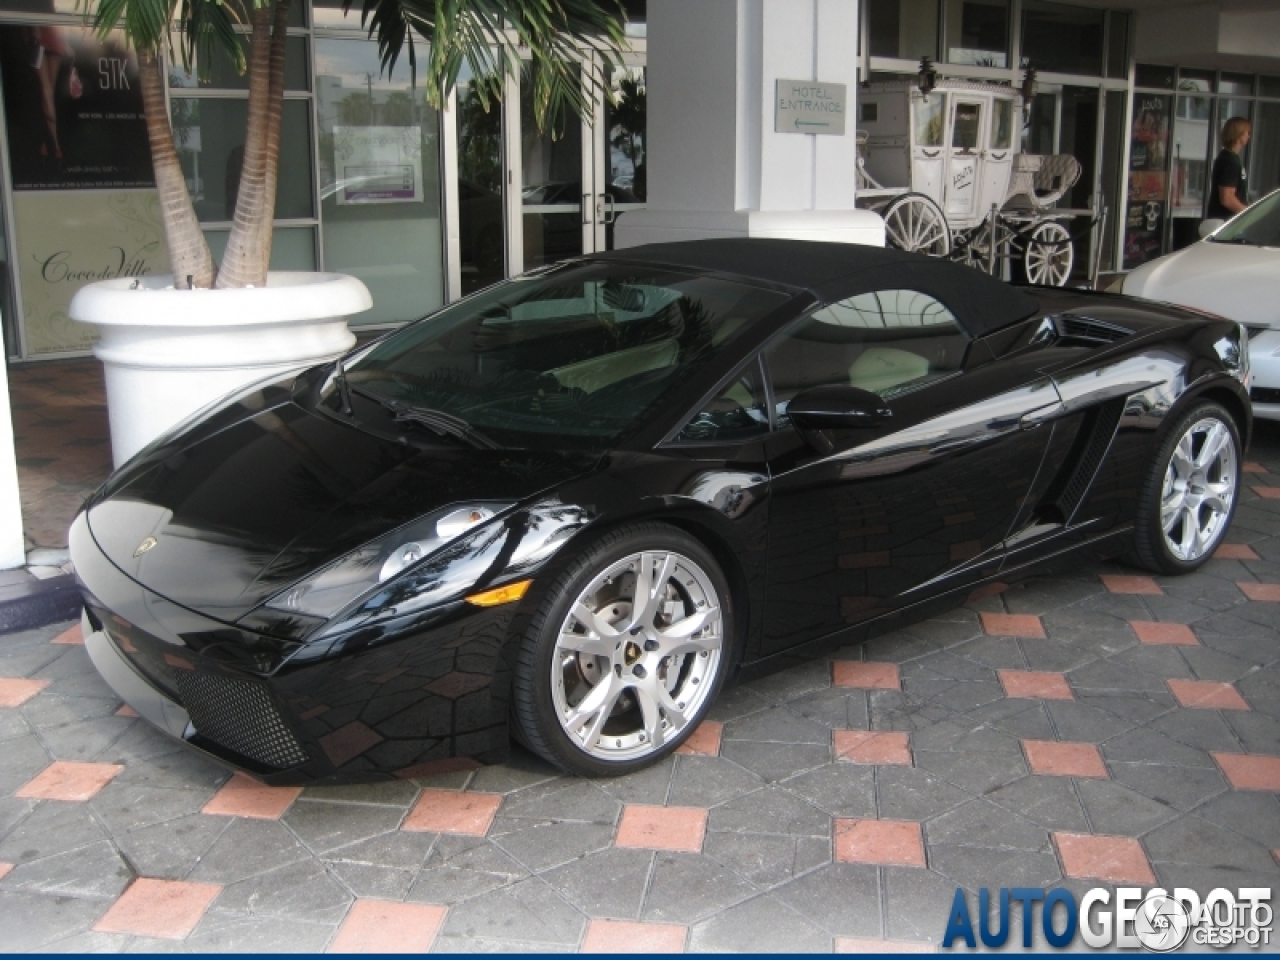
(71, 637)
(1174, 634)
(1235, 551)
(889, 843)
(662, 828)
(242, 796)
(166, 909)
(1053, 759)
(887, 747)
(1114, 859)
(625, 936)
(1013, 625)
(704, 741)
(865, 676)
(1250, 772)
(1035, 684)
(448, 811)
(70, 781)
(1261, 592)
(385, 926)
(15, 691)
(1207, 695)
(1143, 586)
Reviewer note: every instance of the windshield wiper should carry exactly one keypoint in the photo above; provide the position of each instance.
(437, 421)
(344, 389)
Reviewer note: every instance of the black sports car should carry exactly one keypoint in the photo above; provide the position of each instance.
(570, 506)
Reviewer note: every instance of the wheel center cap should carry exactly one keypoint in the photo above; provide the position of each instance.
(632, 653)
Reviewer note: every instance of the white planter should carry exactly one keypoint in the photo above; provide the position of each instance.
(168, 352)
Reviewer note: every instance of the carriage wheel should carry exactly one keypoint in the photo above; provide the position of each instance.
(914, 223)
(1049, 255)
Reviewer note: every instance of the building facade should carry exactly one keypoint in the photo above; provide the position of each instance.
(426, 205)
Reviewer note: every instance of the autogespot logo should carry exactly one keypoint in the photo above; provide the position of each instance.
(1155, 920)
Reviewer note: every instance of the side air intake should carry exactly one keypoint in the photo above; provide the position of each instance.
(1068, 489)
(1081, 331)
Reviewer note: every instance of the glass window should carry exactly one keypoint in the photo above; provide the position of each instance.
(1152, 75)
(223, 76)
(930, 117)
(738, 412)
(1258, 226)
(1002, 124)
(966, 126)
(1265, 147)
(907, 29)
(575, 357)
(1118, 44)
(1193, 146)
(626, 127)
(888, 342)
(379, 181)
(1236, 83)
(1269, 86)
(1057, 38)
(1196, 81)
(209, 134)
(977, 32)
(292, 248)
(481, 215)
(551, 186)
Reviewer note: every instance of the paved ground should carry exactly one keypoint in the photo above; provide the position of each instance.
(1085, 728)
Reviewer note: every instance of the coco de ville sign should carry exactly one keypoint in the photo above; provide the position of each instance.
(809, 106)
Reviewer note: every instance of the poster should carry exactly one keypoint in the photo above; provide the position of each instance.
(73, 110)
(1148, 178)
(377, 164)
(66, 240)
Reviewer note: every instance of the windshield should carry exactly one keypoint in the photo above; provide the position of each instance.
(571, 358)
(1258, 226)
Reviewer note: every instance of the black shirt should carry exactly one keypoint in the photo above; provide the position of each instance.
(1228, 171)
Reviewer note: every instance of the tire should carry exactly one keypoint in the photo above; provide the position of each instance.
(1049, 256)
(651, 685)
(1188, 499)
(914, 223)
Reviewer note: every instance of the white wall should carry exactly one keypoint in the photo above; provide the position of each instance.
(11, 544)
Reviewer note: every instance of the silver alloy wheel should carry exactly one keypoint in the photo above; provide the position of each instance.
(1050, 255)
(915, 223)
(637, 655)
(1199, 489)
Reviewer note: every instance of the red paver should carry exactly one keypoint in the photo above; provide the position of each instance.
(984, 591)
(886, 748)
(859, 945)
(1176, 634)
(451, 811)
(1261, 592)
(1206, 695)
(1053, 759)
(126, 711)
(386, 926)
(14, 691)
(69, 781)
(168, 909)
(1035, 685)
(896, 843)
(705, 741)
(1247, 771)
(1251, 467)
(4, 869)
(865, 676)
(435, 768)
(1025, 625)
(1235, 551)
(662, 828)
(72, 637)
(242, 796)
(1118, 583)
(1115, 859)
(627, 936)
(1270, 493)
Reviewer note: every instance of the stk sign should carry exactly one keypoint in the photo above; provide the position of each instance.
(809, 106)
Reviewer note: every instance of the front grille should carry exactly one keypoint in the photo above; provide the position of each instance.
(239, 715)
(1264, 395)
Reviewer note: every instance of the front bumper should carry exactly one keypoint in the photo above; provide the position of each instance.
(399, 700)
(1264, 364)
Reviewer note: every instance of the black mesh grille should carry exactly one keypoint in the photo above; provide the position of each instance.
(239, 715)
(1087, 331)
(1264, 395)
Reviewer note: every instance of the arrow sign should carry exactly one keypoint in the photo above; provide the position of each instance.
(810, 107)
(812, 123)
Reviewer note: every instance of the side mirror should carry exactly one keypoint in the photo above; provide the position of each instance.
(837, 408)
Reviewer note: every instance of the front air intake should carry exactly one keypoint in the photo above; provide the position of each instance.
(239, 715)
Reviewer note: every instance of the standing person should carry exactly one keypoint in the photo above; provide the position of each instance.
(1228, 196)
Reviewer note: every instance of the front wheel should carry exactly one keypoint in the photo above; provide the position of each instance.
(914, 223)
(1190, 495)
(1049, 256)
(625, 653)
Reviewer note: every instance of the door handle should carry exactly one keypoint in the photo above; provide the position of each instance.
(1038, 418)
(610, 213)
(929, 155)
(587, 213)
(998, 156)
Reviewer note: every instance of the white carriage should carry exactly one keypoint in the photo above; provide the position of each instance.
(944, 171)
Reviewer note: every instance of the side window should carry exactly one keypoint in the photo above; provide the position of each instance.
(888, 342)
(738, 412)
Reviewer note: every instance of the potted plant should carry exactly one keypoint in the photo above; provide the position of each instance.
(172, 344)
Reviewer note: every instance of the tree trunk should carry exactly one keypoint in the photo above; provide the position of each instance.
(189, 255)
(275, 113)
(244, 263)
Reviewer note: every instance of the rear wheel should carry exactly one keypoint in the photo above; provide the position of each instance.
(1190, 495)
(625, 654)
(914, 223)
(1050, 255)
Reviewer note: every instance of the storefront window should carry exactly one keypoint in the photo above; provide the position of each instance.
(1269, 86)
(223, 76)
(481, 194)
(1196, 81)
(977, 32)
(1192, 144)
(209, 133)
(1148, 178)
(1264, 171)
(379, 159)
(1155, 76)
(906, 29)
(292, 248)
(551, 186)
(626, 129)
(1057, 38)
(1118, 44)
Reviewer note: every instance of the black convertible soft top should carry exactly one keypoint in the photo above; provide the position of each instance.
(833, 271)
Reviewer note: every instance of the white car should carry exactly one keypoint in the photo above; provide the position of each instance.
(1233, 272)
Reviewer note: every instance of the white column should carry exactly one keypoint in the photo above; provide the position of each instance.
(716, 167)
(12, 548)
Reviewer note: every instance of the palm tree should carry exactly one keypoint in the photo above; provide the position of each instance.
(489, 36)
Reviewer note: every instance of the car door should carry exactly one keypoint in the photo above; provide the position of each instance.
(914, 506)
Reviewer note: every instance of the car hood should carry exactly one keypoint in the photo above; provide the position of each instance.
(1231, 280)
(239, 513)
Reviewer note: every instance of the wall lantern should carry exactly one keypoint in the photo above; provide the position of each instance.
(927, 78)
(1029, 86)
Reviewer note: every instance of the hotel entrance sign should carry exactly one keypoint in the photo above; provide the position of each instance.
(809, 106)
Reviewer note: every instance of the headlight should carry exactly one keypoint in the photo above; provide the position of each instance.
(328, 591)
